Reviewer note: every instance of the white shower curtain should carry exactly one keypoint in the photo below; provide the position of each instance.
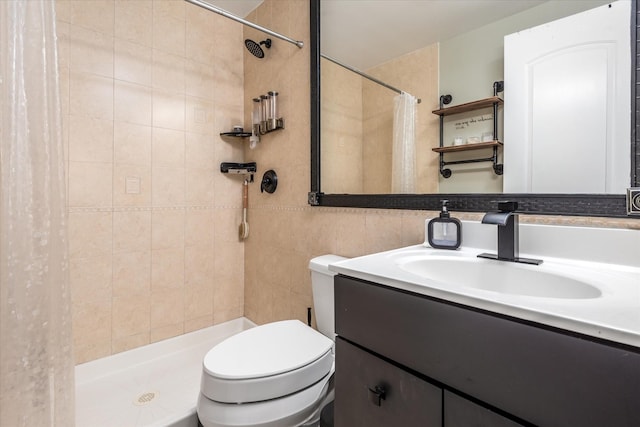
(403, 166)
(36, 363)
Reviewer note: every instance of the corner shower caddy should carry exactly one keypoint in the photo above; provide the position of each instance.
(264, 118)
(495, 101)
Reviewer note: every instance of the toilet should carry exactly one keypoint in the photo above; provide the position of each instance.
(274, 375)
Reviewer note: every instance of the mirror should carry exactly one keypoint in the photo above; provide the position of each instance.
(611, 205)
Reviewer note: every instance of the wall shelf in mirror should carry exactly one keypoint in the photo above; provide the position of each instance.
(492, 102)
(469, 106)
(467, 147)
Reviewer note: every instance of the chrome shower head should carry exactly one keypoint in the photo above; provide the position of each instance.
(255, 48)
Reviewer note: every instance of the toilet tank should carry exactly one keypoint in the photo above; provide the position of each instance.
(322, 286)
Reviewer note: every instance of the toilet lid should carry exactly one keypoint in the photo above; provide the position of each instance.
(266, 362)
(266, 350)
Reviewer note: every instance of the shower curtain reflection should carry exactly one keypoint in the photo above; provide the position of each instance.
(36, 364)
(403, 167)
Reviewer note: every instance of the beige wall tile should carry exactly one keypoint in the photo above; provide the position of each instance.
(165, 332)
(63, 11)
(133, 103)
(167, 271)
(84, 350)
(131, 273)
(199, 227)
(167, 229)
(228, 83)
(90, 234)
(132, 62)
(96, 15)
(200, 35)
(167, 147)
(227, 191)
(169, 27)
(90, 140)
(199, 267)
(199, 79)
(130, 315)
(199, 187)
(92, 52)
(90, 184)
(167, 186)
(168, 110)
(134, 20)
(131, 231)
(382, 231)
(91, 329)
(132, 144)
(90, 278)
(130, 342)
(351, 234)
(91, 95)
(131, 185)
(168, 72)
(199, 323)
(200, 116)
(228, 261)
(413, 228)
(198, 302)
(167, 308)
(200, 152)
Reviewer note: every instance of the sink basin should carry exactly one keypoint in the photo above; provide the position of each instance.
(499, 276)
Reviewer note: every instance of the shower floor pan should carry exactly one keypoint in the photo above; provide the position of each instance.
(152, 386)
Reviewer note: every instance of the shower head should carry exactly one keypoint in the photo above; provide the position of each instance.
(255, 48)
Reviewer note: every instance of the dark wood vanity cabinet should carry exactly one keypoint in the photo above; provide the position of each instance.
(443, 364)
(379, 394)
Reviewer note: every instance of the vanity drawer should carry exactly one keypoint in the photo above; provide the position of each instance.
(371, 392)
(459, 412)
(543, 376)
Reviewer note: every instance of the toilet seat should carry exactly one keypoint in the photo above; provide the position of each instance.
(266, 362)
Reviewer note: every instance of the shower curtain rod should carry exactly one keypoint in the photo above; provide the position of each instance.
(366, 76)
(226, 14)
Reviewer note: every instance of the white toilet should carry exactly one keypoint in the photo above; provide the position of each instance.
(274, 375)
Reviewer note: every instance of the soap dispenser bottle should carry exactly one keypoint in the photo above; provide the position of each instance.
(444, 232)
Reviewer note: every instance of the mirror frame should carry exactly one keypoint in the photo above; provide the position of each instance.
(598, 205)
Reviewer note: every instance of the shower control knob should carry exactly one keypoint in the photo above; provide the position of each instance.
(269, 182)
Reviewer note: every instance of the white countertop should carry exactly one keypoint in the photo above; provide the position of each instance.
(614, 316)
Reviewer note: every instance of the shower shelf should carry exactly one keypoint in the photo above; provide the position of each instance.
(267, 127)
(492, 102)
(236, 134)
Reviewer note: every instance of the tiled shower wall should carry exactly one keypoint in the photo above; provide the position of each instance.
(153, 225)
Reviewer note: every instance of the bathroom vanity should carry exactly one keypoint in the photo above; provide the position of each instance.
(418, 352)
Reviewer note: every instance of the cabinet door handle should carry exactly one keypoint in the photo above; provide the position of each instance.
(377, 395)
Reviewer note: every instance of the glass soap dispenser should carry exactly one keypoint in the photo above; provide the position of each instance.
(444, 232)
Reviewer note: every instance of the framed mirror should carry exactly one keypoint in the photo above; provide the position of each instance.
(582, 204)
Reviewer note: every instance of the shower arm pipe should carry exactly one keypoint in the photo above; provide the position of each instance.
(231, 16)
(366, 76)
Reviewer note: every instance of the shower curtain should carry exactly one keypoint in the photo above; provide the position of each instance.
(36, 364)
(403, 166)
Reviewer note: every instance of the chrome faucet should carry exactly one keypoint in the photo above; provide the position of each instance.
(508, 240)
